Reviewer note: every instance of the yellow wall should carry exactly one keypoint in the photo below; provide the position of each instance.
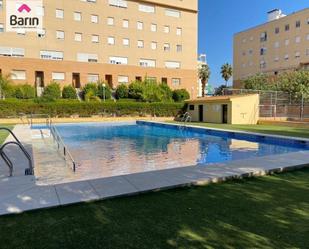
(245, 110)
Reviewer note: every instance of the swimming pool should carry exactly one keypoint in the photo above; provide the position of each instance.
(112, 149)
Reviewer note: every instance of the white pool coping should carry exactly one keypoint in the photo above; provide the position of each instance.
(22, 193)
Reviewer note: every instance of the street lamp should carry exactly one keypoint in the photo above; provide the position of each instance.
(103, 86)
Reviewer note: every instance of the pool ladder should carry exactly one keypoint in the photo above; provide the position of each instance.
(7, 160)
(185, 119)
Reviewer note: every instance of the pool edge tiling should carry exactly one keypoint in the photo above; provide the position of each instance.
(37, 197)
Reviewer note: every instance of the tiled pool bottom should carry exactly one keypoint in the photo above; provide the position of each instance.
(113, 149)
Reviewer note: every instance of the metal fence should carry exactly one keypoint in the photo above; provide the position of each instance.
(278, 105)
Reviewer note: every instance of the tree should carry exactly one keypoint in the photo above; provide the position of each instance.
(180, 95)
(122, 91)
(226, 72)
(204, 74)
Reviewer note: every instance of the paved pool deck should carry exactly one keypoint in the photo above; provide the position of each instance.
(23, 193)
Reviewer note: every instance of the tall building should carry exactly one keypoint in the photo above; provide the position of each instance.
(113, 40)
(202, 60)
(279, 45)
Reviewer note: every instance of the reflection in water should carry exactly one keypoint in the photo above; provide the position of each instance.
(105, 150)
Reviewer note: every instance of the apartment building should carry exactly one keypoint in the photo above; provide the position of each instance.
(281, 44)
(113, 40)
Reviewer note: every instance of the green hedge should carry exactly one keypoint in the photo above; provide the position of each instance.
(63, 108)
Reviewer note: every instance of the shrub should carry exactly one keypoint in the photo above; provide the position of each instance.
(136, 90)
(52, 91)
(180, 95)
(64, 108)
(152, 92)
(107, 91)
(122, 91)
(167, 92)
(69, 92)
(25, 92)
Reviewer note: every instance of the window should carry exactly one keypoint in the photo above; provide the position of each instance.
(51, 55)
(147, 63)
(140, 44)
(263, 51)
(118, 3)
(110, 21)
(166, 47)
(140, 25)
(307, 37)
(83, 57)
(78, 37)
(151, 79)
(286, 57)
(154, 45)
(277, 30)
(93, 78)
(18, 75)
(276, 59)
(287, 42)
(123, 79)
(95, 38)
(172, 13)
(287, 27)
(58, 76)
(153, 27)
(13, 52)
(191, 107)
(277, 44)
(297, 39)
(172, 64)
(176, 82)
(307, 52)
(59, 13)
(263, 37)
(111, 40)
(125, 23)
(179, 31)
(262, 64)
(1, 28)
(118, 60)
(126, 42)
(41, 33)
(77, 16)
(146, 8)
(297, 54)
(166, 29)
(244, 40)
(94, 19)
(60, 34)
(250, 51)
(179, 48)
(297, 24)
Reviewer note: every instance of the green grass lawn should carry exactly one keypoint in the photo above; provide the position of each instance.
(283, 130)
(4, 134)
(265, 212)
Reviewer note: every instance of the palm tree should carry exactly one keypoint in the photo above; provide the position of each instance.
(204, 74)
(226, 72)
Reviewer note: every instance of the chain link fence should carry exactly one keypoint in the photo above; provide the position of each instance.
(277, 105)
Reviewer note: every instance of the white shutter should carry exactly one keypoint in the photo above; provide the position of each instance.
(172, 64)
(18, 75)
(58, 76)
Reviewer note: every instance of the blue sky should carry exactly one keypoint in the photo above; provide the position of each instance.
(220, 19)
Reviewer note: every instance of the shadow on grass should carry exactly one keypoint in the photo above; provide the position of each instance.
(266, 212)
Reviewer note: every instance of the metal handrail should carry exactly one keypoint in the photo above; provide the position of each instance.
(19, 144)
(59, 141)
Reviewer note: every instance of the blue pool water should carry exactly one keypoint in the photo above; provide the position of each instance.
(123, 148)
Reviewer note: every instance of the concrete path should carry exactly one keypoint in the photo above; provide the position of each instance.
(22, 193)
